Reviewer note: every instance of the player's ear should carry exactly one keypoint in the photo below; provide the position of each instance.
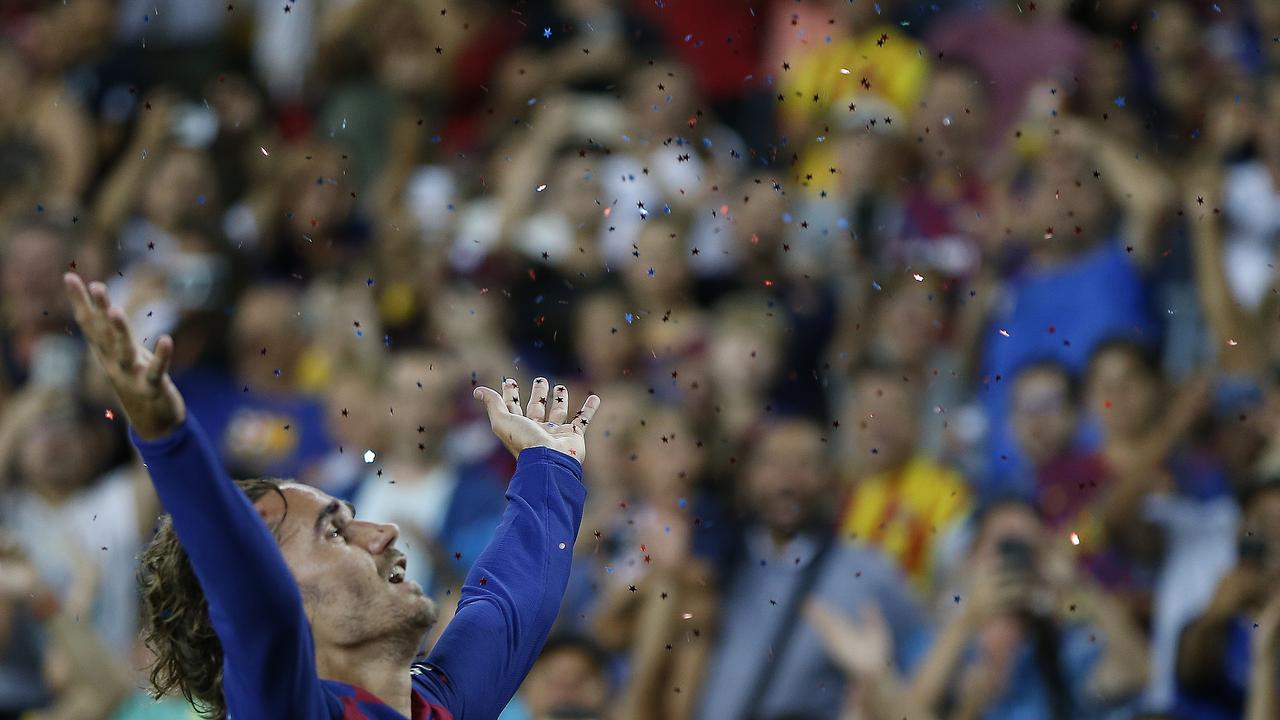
(271, 508)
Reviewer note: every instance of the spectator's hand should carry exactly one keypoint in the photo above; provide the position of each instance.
(1268, 630)
(862, 648)
(538, 427)
(1188, 405)
(1058, 567)
(1237, 590)
(980, 684)
(1202, 185)
(18, 577)
(139, 377)
(154, 120)
(995, 590)
(1230, 123)
(85, 581)
(1075, 133)
(555, 117)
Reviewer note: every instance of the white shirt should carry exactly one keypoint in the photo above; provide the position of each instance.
(101, 524)
(1201, 548)
(416, 503)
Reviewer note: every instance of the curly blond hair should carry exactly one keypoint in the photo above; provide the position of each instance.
(175, 618)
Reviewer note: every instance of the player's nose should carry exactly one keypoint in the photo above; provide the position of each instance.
(381, 536)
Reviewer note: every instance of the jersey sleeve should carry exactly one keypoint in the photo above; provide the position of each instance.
(512, 594)
(268, 656)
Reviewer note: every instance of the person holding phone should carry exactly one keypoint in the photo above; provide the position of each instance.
(1031, 636)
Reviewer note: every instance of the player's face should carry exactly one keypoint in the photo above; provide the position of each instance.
(349, 571)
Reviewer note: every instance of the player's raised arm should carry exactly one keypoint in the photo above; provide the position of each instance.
(513, 592)
(253, 602)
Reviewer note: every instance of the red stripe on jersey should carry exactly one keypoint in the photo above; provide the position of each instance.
(423, 710)
(350, 711)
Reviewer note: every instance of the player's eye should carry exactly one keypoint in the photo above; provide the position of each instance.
(335, 533)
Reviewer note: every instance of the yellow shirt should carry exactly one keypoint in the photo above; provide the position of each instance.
(893, 65)
(902, 512)
(880, 70)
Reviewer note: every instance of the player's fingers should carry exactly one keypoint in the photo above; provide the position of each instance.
(99, 303)
(123, 350)
(492, 402)
(160, 360)
(511, 396)
(559, 412)
(588, 411)
(78, 294)
(537, 409)
(98, 295)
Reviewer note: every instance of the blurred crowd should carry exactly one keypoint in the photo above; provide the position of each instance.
(938, 341)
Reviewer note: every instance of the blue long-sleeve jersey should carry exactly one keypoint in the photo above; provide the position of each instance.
(508, 603)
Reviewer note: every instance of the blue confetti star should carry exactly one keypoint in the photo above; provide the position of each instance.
(1120, 101)
(546, 32)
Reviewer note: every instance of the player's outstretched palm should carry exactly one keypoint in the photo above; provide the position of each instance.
(139, 377)
(539, 425)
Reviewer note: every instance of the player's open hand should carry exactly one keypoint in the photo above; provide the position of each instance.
(139, 377)
(539, 425)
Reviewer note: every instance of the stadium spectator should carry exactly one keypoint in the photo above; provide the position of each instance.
(991, 248)
(1030, 637)
(765, 662)
(1218, 649)
(898, 499)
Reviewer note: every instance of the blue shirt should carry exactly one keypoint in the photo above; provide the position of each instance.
(1059, 313)
(1228, 703)
(1026, 695)
(508, 602)
(802, 679)
(256, 434)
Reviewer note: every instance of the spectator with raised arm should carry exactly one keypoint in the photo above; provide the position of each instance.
(1220, 651)
(1030, 637)
(79, 671)
(1090, 216)
(764, 661)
